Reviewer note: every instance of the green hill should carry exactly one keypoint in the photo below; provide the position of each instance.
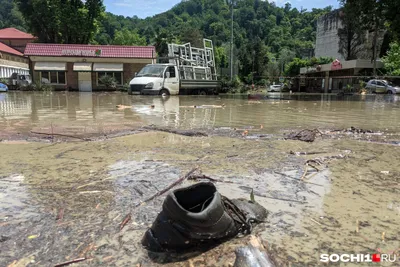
(262, 31)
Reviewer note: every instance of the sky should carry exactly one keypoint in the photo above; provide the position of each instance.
(145, 8)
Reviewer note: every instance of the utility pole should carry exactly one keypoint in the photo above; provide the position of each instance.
(375, 47)
(231, 40)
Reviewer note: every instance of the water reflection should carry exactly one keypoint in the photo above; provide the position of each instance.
(95, 112)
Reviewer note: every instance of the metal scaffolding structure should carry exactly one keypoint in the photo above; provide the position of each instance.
(194, 63)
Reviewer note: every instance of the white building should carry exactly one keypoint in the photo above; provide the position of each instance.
(12, 61)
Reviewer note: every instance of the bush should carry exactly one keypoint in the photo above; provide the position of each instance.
(4, 80)
(262, 82)
(244, 89)
(235, 82)
(124, 88)
(348, 88)
(108, 81)
(38, 86)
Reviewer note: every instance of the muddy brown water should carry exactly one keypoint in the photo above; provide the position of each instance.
(61, 201)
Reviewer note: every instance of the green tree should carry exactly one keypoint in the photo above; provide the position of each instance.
(55, 21)
(127, 37)
(351, 35)
(293, 68)
(221, 57)
(392, 60)
(10, 16)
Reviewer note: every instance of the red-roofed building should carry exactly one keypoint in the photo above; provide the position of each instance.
(12, 46)
(15, 38)
(80, 66)
(12, 61)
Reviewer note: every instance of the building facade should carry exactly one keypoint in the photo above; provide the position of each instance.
(12, 46)
(328, 41)
(336, 75)
(12, 61)
(80, 67)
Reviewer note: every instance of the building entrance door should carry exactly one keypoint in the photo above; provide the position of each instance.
(85, 81)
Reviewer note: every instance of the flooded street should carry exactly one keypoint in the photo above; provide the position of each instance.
(75, 164)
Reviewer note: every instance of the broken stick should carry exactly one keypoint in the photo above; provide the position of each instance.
(159, 193)
(125, 221)
(205, 177)
(69, 262)
(63, 135)
(179, 181)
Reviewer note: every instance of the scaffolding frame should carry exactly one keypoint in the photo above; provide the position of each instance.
(194, 63)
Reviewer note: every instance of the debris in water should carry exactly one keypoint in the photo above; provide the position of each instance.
(252, 195)
(159, 193)
(253, 255)
(201, 210)
(125, 221)
(304, 135)
(205, 177)
(69, 262)
(179, 132)
(122, 107)
(22, 262)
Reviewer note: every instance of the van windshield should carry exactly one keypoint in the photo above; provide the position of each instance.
(151, 71)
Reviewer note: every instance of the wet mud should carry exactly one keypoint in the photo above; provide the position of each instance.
(62, 201)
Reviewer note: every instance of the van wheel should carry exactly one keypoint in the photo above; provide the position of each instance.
(202, 92)
(163, 91)
(389, 92)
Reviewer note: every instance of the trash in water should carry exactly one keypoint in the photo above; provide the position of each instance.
(198, 216)
(304, 135)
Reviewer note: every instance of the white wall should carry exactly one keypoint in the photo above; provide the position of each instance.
(327, 43)
(6, 71)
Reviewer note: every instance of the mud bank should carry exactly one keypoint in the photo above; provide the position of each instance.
(65, 201)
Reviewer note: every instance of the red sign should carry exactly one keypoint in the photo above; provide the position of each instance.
(336, 65)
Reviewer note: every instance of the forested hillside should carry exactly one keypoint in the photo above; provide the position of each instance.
(262, 31)
(10, 16)
(259, 26)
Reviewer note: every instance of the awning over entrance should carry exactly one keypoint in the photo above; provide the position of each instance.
(82, 66)
(55, 66)
(112, 67)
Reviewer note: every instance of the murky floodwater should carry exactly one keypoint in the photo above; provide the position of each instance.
(66, 200)
(85, 113)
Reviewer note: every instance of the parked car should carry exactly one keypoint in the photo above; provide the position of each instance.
(277, 88)
(383, 87)
(18, 79)
(3, 87)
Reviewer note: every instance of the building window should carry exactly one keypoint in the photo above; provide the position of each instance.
(53, 77)
(117, 76)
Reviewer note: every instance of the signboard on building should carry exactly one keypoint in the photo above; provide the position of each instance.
(81, 53)
(336, 65)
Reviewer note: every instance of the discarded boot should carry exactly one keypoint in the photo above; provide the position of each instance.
(192, 217)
